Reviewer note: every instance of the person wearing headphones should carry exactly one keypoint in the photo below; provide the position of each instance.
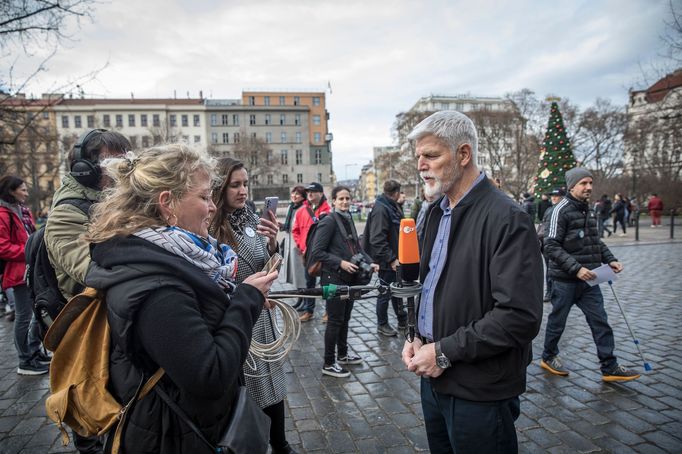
(69, 255)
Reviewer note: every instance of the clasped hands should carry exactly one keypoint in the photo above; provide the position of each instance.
(421, 359)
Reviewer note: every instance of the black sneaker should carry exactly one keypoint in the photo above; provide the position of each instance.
(619, 373)
(387, 330)
(349, 359)
(335, 371)
(554, 366)
(42, 358)
(33, 368)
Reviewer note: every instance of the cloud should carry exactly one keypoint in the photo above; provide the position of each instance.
(380, 56)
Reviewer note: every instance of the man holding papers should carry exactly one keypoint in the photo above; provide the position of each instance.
(574, 249)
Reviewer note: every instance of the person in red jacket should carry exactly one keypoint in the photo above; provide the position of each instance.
(16, 224)
(313, 209)
(655, 208)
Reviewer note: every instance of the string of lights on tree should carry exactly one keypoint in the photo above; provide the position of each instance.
(556, 156)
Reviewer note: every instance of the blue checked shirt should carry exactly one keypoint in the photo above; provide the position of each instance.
(436, 265)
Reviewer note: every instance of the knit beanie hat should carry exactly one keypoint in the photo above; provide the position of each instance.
(576, 174)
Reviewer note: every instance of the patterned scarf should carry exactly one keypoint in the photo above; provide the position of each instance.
(218, 261)
(239, 218)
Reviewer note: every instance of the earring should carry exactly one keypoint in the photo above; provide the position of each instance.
(168, 220)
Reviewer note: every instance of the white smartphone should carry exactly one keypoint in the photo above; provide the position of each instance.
(271, 205)
(273, 264)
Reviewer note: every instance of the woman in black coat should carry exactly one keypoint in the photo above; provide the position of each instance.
(618, 212)
(335, 243)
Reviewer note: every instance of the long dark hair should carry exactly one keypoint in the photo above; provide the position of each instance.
(8, 184)
(220, 227)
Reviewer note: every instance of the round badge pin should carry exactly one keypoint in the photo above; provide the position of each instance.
(581, 234)
(250, 232)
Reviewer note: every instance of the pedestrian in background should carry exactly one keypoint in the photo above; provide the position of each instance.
(254, 240)
(618, 211)
(574, 249)
(543, 205)
(528, 204)
(16, 224)
(293, 269)
(380, 240)
(556, 196)
(311, 212)
(655, 207)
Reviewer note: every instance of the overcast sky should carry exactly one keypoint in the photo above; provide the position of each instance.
(380, 56)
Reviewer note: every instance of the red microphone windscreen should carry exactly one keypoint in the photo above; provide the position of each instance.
(408, 244)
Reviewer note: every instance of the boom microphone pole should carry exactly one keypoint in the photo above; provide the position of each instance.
(407, 286)
(330, 291)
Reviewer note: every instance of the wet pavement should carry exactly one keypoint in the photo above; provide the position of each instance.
(377, 409)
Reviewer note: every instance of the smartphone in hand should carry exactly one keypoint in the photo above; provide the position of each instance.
(271, 205)
(273, 264)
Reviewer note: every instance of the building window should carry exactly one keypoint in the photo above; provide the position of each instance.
(282, 101)
(284, 156)
(119, 121)
(235, 137)
(91, 121)
(65, 121)
(319, 177)
(268, 137)
(106, 121)
(318, 156)
(297, 100)
(316, 100)
(285, 179)
(131, 120)
(283, 137)
(282, 119)
(270, 182)
(46, 116)
(145, 141)
(252, 100)
(157, 139)
(298, 136)
(254, 179)
(133, 141)
(266, 100)
(235, 120)
(317, 137)
(223, 119)
(226, 137)
(156, 121)
(268, 119)
(252, 120)
(316, 120)
(77, 123)
(214, 119)
(197, 121)
(253, 136)
(214, 137)
(185, 120)
(297, 120)
(173, 120)
(299, 178)
(299, 157)
(185, 139)
(143, 120)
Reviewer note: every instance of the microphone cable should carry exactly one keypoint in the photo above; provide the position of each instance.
(278, 349)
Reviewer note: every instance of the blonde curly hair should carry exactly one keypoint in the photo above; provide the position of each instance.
(132, 204)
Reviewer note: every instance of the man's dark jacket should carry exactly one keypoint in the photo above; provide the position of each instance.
(572, 240)
(165, 312)
(380, 238)
(543, 206)
(488, 300)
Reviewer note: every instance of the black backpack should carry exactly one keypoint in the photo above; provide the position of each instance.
(41, 279)
(312, 266)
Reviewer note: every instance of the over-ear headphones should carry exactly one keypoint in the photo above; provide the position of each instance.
(85, 171)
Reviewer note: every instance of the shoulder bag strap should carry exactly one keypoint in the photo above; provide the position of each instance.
(311, 213)
(141, 392)
(343, 231)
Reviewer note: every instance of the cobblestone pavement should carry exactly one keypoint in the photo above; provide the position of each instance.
(377, 409)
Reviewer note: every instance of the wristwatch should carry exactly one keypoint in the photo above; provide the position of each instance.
(442, 361)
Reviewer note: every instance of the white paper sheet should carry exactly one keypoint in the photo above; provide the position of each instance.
(604, 274)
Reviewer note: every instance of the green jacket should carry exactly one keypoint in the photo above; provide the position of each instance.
(68, 253)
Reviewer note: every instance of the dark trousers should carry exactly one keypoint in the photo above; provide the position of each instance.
(310, 282)
(389, 276)
(278, 439)
(548, 281)
(463, 426)
(26, 338)
(590, 301)
(336, 334)
(90, 445)
(619, 220)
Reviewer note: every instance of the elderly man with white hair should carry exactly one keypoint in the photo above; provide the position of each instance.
(481, 302)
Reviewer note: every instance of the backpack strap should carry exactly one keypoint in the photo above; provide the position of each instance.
(140, 393)
(351, 240)
(82, 204)
(312, 214)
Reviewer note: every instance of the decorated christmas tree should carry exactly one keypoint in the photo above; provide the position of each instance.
(556, 156)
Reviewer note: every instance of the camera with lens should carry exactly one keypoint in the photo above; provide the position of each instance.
(365, 271)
